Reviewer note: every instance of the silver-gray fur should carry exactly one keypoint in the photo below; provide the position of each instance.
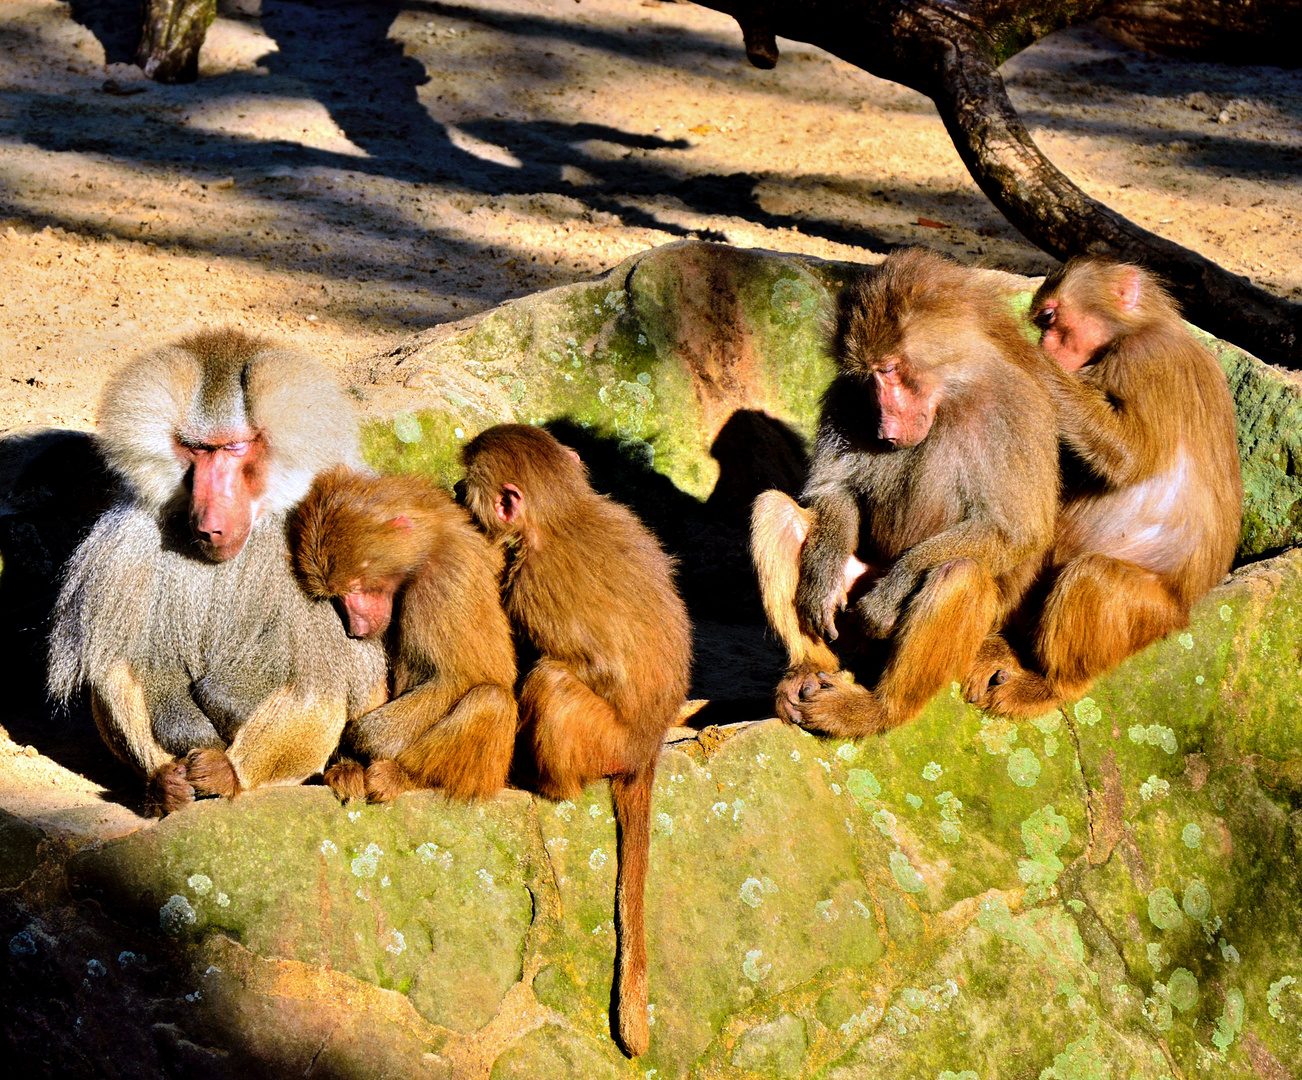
(180, 652)
(172, 391)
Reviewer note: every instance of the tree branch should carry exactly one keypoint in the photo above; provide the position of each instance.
(1052, 212)
(949, 50)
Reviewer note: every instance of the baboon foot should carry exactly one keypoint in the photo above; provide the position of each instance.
(168, 790)
(837, 706)
(995, 663)
(211, 773)
(1014, 691)
(347, 779)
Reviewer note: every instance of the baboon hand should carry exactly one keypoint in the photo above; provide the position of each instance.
(879, 608)
(818, 614)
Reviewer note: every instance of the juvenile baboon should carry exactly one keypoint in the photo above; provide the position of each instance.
(1151, 517)
(209, 670)
(593, 592)
(931, 498)
(376, 542)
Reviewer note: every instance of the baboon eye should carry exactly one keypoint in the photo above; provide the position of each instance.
(1046, 317)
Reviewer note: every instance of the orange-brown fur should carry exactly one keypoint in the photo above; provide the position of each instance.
(1153, 521)
(931, 499)
(593, 591)
(451, 723)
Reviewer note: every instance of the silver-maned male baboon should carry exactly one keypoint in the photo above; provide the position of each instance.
(208, 668)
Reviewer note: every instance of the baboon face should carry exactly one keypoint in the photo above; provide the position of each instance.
(227, 478)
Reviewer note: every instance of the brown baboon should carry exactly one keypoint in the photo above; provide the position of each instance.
(931, 497)
(209, 670)
(374, 542)
(1152, 512)
(593, 592)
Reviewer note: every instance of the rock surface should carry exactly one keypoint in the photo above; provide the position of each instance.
(1112, 890)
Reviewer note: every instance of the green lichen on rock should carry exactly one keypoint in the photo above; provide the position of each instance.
(420, 896)
(775, 1049)
(553, 1053)
(19, 843)
(1268, 407)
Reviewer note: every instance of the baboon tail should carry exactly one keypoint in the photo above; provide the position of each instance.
(632, 798)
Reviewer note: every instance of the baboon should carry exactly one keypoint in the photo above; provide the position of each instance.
(1151, 516)
(931, 498)
(209, 670)
(592, 591)
(379, 542)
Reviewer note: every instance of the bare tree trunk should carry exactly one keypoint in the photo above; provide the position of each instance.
(171, 37)
(950, 50)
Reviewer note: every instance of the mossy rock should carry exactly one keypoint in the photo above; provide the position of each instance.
(1111, 890)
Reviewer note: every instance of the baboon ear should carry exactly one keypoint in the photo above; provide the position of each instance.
(508, 503)
(1128, 292)
(402, 521)
(574, 454)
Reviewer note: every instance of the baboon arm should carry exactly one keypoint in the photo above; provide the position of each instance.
(384, 732)
(997, 550)
(1114, 438)
(991, 548)
(178, 724)
(833, 537)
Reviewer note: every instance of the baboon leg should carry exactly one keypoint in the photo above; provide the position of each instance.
(467, 753)
(936, 642)
(574, 735)
(1100, 611)
(288, 738)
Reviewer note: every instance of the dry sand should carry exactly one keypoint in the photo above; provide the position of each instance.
(347, 173)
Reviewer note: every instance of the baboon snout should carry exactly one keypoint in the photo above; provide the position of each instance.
(223, 506)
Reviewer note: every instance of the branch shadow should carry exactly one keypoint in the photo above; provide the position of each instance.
(339, 54)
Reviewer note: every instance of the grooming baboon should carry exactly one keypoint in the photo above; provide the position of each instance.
(209, 670)
(593, 592)
(376, 541)
(1152, 513)
(931, 497)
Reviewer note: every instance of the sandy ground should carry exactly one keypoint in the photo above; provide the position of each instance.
(345, 174)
